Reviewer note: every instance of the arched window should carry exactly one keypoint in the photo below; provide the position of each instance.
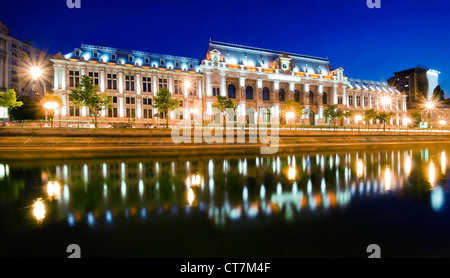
(311, 97)
(281, 95)
(266, 94)
(296, 96)
(324, 98)
(231, 91)
(249, 92)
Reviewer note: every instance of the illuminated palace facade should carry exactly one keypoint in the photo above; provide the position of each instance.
(259, 81)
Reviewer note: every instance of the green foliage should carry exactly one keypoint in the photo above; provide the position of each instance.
(224, 103)
(349, 113)
(87, 95)
(370, 114)
(293, 106)
(164, 102)
(8, 99)
(384, 117)
(416, 118)
(330, 113)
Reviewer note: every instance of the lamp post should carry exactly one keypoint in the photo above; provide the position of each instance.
(289, 116)
(358, 118)
(442, 123)
(385, 101)
(52, 106)
(406, 122)
(194, 112)
(37, 73)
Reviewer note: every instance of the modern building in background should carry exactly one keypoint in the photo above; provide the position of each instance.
(16, 58)
(259, 81)
(418, 83)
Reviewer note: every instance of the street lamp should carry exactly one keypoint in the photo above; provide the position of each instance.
(193, 111)
(195, 179)
(385, 101)
(35, 72)
(289, 115)
(52, 106)
(442, 123)
(429, 104)
(406, 122)
(358, 118)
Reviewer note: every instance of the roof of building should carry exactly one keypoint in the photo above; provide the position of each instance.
(141, 58)
(254, 56)
(371, 85)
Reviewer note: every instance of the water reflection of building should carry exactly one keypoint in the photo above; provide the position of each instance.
(231, 189)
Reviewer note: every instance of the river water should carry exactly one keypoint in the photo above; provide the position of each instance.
(296, 205)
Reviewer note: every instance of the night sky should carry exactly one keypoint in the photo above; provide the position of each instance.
(367, 43)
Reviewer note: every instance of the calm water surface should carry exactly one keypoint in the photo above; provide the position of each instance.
(316, 204)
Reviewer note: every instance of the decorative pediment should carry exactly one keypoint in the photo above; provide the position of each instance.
(59, 56)
(215, 55)
(339, 73)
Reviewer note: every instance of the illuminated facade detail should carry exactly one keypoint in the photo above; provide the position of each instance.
(259, 81)
(277, 77)
(131, 78)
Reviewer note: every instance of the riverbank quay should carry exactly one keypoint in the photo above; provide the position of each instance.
(39, 143)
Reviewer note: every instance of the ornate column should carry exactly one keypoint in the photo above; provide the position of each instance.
(335, 95)
(155, 85)
(320, 103)
(56, 77)
(242, 100)
(259, 101)
(291, 91)
(138, 98)
(120, 82)
(223, 84)
(305, 117)
(344, 95)
(102, 80)
(208, 83)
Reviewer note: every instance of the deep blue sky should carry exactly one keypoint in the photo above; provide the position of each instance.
(367, 43)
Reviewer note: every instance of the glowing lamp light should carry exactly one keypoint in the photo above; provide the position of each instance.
(195, 180)
(385, 100)
(387, 179)
(193, 110)
(442, 122)
(408, 165)
(190, 196)
(291, 173)
(431, 173)
(358, 118)
(290, 115)
(53, 189)
(51, 105)
(39, 210)
(359, 168)
(35, 72)
(188, 84)
(406, 121)
(429, 105)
